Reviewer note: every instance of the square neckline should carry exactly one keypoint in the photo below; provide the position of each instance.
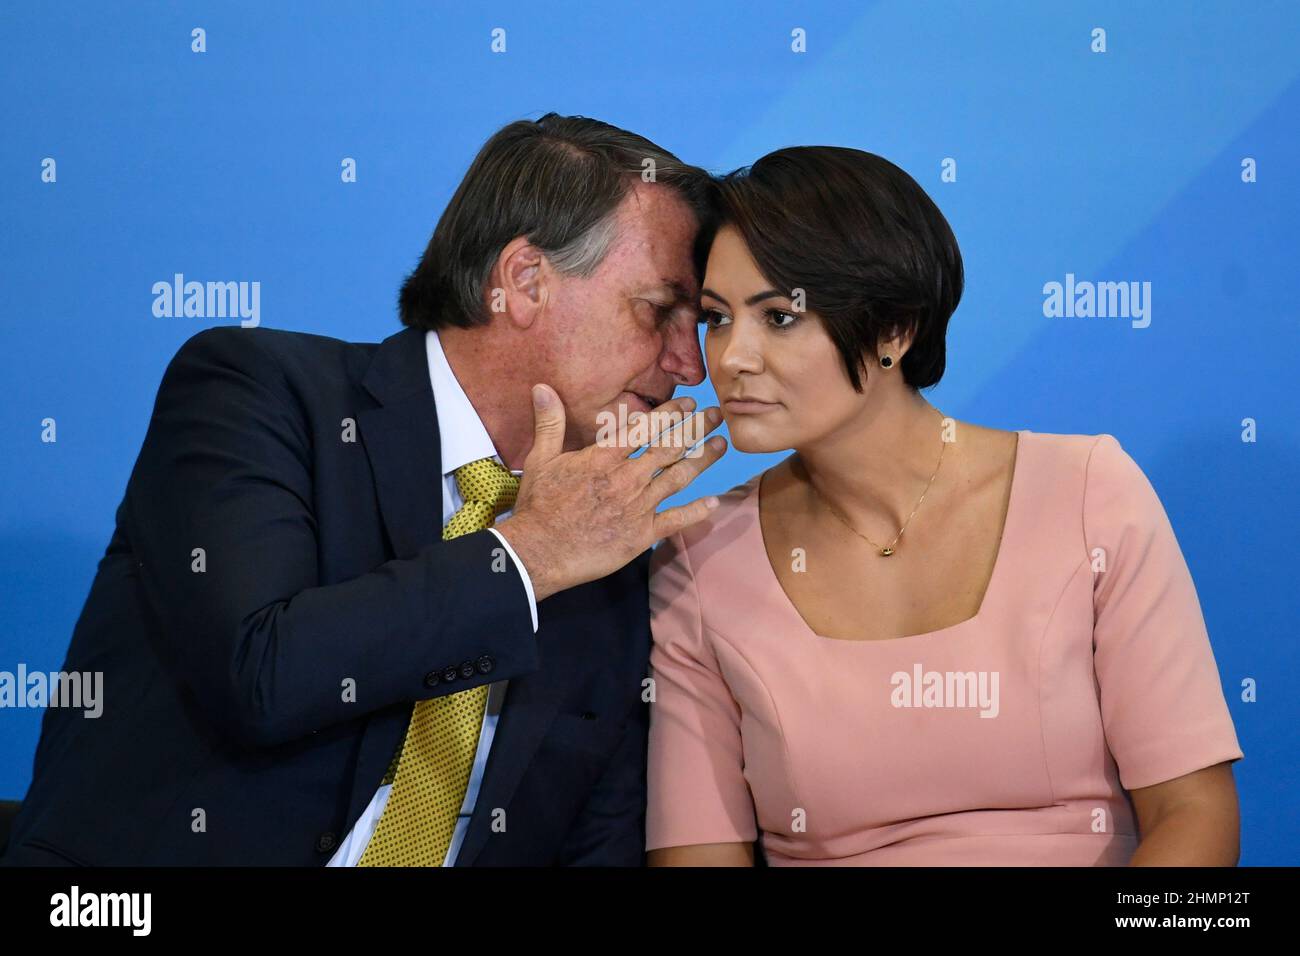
(756, 529)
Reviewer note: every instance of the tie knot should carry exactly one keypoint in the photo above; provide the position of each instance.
(489, 483)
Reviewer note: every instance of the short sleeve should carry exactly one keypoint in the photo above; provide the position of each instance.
(696, 788)
(1162, 702)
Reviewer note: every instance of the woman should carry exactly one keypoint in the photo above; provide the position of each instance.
(913, 640)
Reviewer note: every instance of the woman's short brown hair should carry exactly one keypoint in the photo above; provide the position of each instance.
(870, 249)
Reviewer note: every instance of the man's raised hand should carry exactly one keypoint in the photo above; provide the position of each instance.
(584, 514)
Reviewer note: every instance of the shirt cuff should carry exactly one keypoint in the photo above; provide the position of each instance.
(523, 573)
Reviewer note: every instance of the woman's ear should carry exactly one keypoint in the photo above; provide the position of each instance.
(896, 346)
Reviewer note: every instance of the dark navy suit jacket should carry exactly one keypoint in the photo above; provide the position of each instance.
(307, 470)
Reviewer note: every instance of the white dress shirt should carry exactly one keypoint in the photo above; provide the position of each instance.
(464, 439)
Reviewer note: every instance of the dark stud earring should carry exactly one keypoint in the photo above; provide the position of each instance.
(886, 361)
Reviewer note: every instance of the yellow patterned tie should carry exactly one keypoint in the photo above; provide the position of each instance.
(431, 772)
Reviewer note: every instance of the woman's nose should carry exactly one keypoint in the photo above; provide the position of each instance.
(741, 352)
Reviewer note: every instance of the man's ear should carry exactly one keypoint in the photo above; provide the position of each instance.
(519, 286)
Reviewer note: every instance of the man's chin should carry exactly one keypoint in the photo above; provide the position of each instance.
(581, 432)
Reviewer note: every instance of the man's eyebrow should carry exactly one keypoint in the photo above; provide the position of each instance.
(673, 287)
(752, 300)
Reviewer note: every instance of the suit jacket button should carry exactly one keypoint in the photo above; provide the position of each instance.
(467, 669)
(485, 664)
(326, 842)
(450, 673)
(431, 679)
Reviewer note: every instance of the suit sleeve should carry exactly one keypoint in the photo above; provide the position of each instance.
(220, 517)
(1162, 704)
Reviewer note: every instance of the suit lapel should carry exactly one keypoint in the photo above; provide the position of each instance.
(532, 702)
(526, 715)
(401, 441)
(401, 438)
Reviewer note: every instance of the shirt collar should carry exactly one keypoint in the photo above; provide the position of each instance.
(461, 431)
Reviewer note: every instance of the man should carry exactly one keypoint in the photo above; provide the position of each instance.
(335, 625)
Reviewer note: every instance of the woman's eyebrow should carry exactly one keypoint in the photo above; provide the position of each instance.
(752, 300)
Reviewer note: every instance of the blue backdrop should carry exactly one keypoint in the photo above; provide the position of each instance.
(129, 157)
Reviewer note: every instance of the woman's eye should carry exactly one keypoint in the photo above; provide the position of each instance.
(708, 315)
(775, 314)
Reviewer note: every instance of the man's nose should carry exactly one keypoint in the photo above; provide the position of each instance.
(681, 356)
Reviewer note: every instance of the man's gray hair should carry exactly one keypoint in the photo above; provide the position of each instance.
(558, 181)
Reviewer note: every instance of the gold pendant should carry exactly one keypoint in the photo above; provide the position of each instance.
(886, 552)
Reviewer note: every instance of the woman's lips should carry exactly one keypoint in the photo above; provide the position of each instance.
(748, 406)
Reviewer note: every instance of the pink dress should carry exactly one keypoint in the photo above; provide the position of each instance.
(1008, 739)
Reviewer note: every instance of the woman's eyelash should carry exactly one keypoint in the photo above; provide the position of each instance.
(708, 314)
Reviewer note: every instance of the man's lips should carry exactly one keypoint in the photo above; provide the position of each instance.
(647, 401)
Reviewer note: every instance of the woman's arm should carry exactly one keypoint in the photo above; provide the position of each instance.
(699, 809)
(703, 854)
(1163, 708)
(1190, 820)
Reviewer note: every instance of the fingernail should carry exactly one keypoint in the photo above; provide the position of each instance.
(711, 501)
(541, 397)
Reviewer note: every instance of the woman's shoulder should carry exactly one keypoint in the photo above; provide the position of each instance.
(1057, 454)
(1088, 453)
(725, 531)
(1097, 472)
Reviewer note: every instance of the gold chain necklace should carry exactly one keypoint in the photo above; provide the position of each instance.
(886, 551)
